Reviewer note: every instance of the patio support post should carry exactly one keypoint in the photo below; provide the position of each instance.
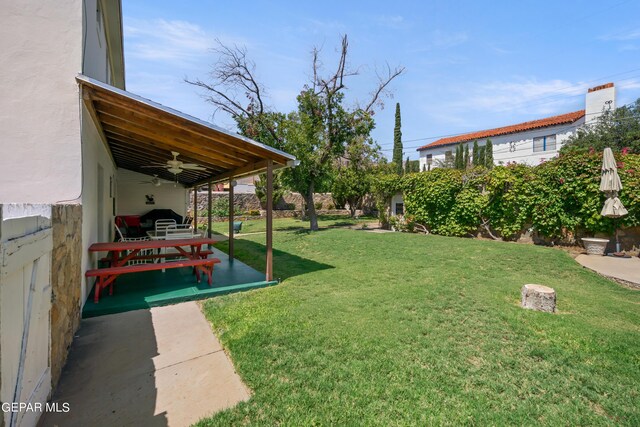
(269, 266)
(195, 208)
(231, 219)
(209, 210)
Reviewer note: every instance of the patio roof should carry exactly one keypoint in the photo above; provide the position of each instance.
(139, 132)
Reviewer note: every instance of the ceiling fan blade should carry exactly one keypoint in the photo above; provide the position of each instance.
(158, 165)
(192, 166)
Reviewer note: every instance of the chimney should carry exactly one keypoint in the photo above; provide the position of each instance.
(599, 99)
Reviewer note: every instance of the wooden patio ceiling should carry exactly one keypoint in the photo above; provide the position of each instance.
(139, 132)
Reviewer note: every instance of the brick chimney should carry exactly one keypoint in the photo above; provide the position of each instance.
(599, 99)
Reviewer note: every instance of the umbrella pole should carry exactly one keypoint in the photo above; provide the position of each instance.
(615, 223)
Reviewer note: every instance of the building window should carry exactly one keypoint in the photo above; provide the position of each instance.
(544, 143)
(448, 156)
(399, 208)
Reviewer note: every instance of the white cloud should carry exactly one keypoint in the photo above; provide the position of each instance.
(174, 40)
(444, 40)
(438, 40)
(622, 35)
(395, 22)
(530, 96)
(628, 48)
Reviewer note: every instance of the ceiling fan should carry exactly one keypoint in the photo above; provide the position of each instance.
(155, 181)
(176, 166)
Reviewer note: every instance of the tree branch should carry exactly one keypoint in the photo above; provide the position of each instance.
(383, 82)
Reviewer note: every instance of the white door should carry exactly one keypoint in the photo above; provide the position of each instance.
(25, 304)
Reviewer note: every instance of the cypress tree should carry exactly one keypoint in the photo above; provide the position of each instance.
(407, 166)
(397, 142)
(455, 158)
(488, 155)
(476, 153)
(466, 156)
(482, 155)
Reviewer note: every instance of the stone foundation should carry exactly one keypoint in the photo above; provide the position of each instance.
(66, 276)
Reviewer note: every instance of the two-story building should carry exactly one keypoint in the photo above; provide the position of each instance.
(530, 142)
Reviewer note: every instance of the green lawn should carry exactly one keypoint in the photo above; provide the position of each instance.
(397, 329)
(282, 224)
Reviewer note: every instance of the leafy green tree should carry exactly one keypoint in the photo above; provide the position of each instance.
(352, 181)
(488, 155)
(318, 133)
(397, 141)
(618, 129)
(411, 166)
(476, 154)
(261, 188)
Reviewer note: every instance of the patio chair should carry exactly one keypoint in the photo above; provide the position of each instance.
(121, 228)
(142, 252)
(162, 224)
(176, 232)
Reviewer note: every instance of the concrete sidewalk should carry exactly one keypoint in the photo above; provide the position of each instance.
(157, 367)
(626, 269)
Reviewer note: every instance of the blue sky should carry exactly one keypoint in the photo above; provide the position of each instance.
(470, 65)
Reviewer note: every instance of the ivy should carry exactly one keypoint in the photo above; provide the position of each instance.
(557, 198)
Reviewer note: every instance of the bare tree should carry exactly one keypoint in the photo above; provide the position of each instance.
(235, 90)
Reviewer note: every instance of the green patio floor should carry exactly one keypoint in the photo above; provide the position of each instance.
(155, 288)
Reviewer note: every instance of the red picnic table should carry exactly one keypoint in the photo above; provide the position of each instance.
(196, 258)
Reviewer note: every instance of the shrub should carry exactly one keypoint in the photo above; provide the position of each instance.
(253, 212)
(220, 207)
(318, 205)
(556, 198)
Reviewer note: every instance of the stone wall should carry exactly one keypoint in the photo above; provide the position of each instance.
(250, 202)
(66, 276)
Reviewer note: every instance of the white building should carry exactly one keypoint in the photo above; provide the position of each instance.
(530, 142)
(76, 151)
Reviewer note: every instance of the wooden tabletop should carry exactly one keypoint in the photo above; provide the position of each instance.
(152, 244)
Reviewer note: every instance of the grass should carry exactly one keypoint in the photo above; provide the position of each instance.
(397, 329)
(282, 224)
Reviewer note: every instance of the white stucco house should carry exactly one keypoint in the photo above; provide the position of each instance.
(530, 142)
(77, 150)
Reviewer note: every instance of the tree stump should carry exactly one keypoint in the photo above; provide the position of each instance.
(538, 297)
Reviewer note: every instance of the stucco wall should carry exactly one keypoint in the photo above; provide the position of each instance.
(41, 52)
(99, 179)
(131, 194)
(99, 182)
(516, 147)
(96, 59)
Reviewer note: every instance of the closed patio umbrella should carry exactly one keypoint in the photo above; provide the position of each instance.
(610, 184)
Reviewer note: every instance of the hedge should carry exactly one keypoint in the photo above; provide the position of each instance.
(556, 198)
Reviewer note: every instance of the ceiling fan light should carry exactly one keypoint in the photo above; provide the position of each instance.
(174, 171)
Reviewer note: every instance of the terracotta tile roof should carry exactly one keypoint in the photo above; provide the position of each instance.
(520, 127)
(604, 86)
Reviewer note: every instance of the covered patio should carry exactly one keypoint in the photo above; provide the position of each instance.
(144, 137)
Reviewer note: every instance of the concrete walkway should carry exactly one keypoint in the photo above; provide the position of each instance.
(626, 269)
(157, 367)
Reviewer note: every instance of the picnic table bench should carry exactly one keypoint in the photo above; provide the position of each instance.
(195, 258)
